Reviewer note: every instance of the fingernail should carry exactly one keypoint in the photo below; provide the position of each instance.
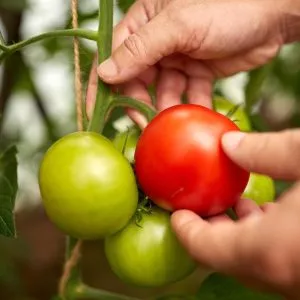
(231, 140)
(107, 69)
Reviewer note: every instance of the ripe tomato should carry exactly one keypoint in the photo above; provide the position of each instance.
(180, 164)
(149, 255)
(88, 188)
(239, 117)
(260, 189)
(128, 141)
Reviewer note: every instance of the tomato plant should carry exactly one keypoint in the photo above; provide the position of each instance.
(234, 112)
(88, 188)
(180, 164)
(126, 142)
(260, 188)
(148, 253)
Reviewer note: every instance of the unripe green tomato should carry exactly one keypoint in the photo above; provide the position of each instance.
(240, 118)
(260, 188)
(88, 188)
(128, 141)
(150, 255)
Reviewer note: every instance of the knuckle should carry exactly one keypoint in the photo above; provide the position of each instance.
(135, 46)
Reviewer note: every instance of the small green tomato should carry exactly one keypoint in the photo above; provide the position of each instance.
(260, 188)
(148, 255)
(88, 188)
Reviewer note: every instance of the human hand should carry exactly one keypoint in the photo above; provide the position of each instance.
(261, 248)
(184, 45)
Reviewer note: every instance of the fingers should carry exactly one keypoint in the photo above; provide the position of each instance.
(171, 85)
(199, 91)
(92, 89)
(273, 154)
(200, 78)
(140, 50)
(138, 15)
(245, 207)
(220, 218)
(211, 244)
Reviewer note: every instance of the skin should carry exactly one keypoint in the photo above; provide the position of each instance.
(263, 247)
(183, 46)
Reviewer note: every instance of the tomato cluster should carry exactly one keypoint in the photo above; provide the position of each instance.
(96, 188)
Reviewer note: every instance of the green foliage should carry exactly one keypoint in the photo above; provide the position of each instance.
(12, 251)
(125, 4)
(222, 287)
(8, 191)
(253, 88)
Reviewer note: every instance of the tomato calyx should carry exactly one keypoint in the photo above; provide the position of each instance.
(144, 207)
(232, 111)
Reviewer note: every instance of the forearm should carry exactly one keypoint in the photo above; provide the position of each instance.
(290, 20)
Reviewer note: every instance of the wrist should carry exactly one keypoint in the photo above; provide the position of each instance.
(290, 20)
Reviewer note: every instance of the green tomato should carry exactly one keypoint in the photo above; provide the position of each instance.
(260, 188)
(148, 255)
(240, 118)
(88, 188)
(127, 141)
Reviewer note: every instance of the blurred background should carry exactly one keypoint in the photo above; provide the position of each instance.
(37, 106)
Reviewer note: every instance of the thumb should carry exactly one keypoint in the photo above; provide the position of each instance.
(140, 50)
(274, 154)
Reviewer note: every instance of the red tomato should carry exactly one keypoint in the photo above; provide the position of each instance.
(180, 163)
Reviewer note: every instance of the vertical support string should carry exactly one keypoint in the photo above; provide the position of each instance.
(78, 83)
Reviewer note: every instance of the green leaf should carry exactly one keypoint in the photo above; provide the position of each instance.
(14, 5)
(8, 191)
(125, 4)
(253, 88)
(218, 286)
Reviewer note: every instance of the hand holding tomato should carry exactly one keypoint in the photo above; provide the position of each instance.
(263, 247)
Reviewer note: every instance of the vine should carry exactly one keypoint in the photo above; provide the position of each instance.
(71, 286)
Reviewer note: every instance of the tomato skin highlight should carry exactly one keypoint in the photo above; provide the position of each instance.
(149, 255)
(180, 164)
(88, 188)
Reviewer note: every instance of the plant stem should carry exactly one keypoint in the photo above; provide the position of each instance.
(83, 291)
(124, 101)
(2, 41)
(75, 272)
(82, 33)
(3, 48)
(104, 43)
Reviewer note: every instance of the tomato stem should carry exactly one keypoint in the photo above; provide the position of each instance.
(145, 109)
(104, 44)
(82, 33)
